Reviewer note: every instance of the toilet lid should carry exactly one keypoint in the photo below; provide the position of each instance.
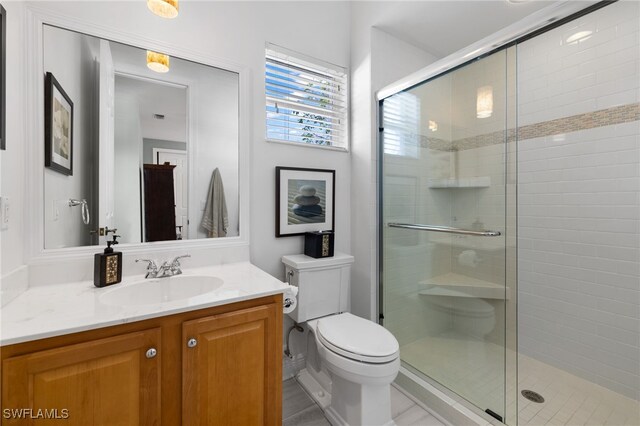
(357, 338)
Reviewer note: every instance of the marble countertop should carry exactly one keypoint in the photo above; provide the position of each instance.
(54, 310)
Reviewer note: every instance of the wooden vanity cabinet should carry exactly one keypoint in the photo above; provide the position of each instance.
(107, 381)
(226, 369)
(214, 366)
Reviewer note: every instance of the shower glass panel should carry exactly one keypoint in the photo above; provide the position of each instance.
(444, 228)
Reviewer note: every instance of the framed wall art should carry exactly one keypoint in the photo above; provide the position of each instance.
(305, 200)
(58, 133)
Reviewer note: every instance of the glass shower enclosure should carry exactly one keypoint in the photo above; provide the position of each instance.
(539, 136)
(447, 240)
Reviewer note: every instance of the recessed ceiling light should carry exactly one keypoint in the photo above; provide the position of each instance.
(157, 62)
(579, 37)
(164, 8)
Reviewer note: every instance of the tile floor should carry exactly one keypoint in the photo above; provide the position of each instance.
(475, 370)
(298, 409)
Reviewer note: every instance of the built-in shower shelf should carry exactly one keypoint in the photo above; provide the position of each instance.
(470, 182)
(457, 285)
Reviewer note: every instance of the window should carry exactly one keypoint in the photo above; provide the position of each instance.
(306, 100)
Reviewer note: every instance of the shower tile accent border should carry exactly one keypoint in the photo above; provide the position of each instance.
(589, 120)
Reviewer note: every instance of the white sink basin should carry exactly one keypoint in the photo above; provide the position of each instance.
(161, 290)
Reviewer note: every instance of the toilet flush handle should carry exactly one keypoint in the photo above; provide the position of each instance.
(289, 276)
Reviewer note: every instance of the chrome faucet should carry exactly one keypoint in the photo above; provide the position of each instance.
(167, 269)
(152, 267)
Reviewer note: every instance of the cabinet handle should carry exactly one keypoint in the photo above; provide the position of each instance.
(151, 353)
(192, 343)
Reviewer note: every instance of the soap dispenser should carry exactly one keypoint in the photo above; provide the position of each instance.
(107, 266)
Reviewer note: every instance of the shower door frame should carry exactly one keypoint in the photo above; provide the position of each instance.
(537, 23)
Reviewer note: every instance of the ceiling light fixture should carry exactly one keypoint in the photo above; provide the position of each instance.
(164, 8)
(484, 102)
(579, 37)
(158, 62)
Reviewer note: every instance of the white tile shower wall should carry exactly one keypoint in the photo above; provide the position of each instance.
(579, 245)
(487, 206)
(559, 79)
(579, 203)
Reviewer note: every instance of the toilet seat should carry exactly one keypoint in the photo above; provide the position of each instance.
(357, 338)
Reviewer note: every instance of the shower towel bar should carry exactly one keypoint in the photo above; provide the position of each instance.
(445, 229)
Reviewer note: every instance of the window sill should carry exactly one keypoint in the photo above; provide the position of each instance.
(308, 145)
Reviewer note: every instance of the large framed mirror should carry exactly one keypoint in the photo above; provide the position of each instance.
(153, 140)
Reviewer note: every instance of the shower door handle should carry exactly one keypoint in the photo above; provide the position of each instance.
(445, 229)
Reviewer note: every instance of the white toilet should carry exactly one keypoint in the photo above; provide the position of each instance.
(351, 361)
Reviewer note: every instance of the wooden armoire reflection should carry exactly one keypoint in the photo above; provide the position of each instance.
(159, 203)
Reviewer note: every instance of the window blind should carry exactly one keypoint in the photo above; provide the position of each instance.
(306, 99)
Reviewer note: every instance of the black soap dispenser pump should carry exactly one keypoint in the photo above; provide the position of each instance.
(107, 266)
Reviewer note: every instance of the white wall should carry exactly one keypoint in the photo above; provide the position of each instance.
(377, 59)
(579, 211)
(127, 153)
(217, 124)
(12, 160)
(70, 57)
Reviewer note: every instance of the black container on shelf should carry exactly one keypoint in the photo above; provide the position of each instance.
(319, 244)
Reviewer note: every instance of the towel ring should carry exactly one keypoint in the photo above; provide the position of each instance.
(85, 209)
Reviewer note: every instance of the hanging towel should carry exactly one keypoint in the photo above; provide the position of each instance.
(215, 219)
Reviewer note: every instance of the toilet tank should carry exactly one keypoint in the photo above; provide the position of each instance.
(323, 284)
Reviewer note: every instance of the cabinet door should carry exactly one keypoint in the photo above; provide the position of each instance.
(109, 381)
(233, 374)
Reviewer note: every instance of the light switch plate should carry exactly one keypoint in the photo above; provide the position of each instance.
(4, 213)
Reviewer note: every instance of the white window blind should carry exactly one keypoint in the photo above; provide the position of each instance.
(401, 122)
(306, 99)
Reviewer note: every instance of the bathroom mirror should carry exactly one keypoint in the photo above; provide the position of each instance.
(137, 141)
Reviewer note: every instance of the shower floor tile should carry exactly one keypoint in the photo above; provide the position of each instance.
(476, 369)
